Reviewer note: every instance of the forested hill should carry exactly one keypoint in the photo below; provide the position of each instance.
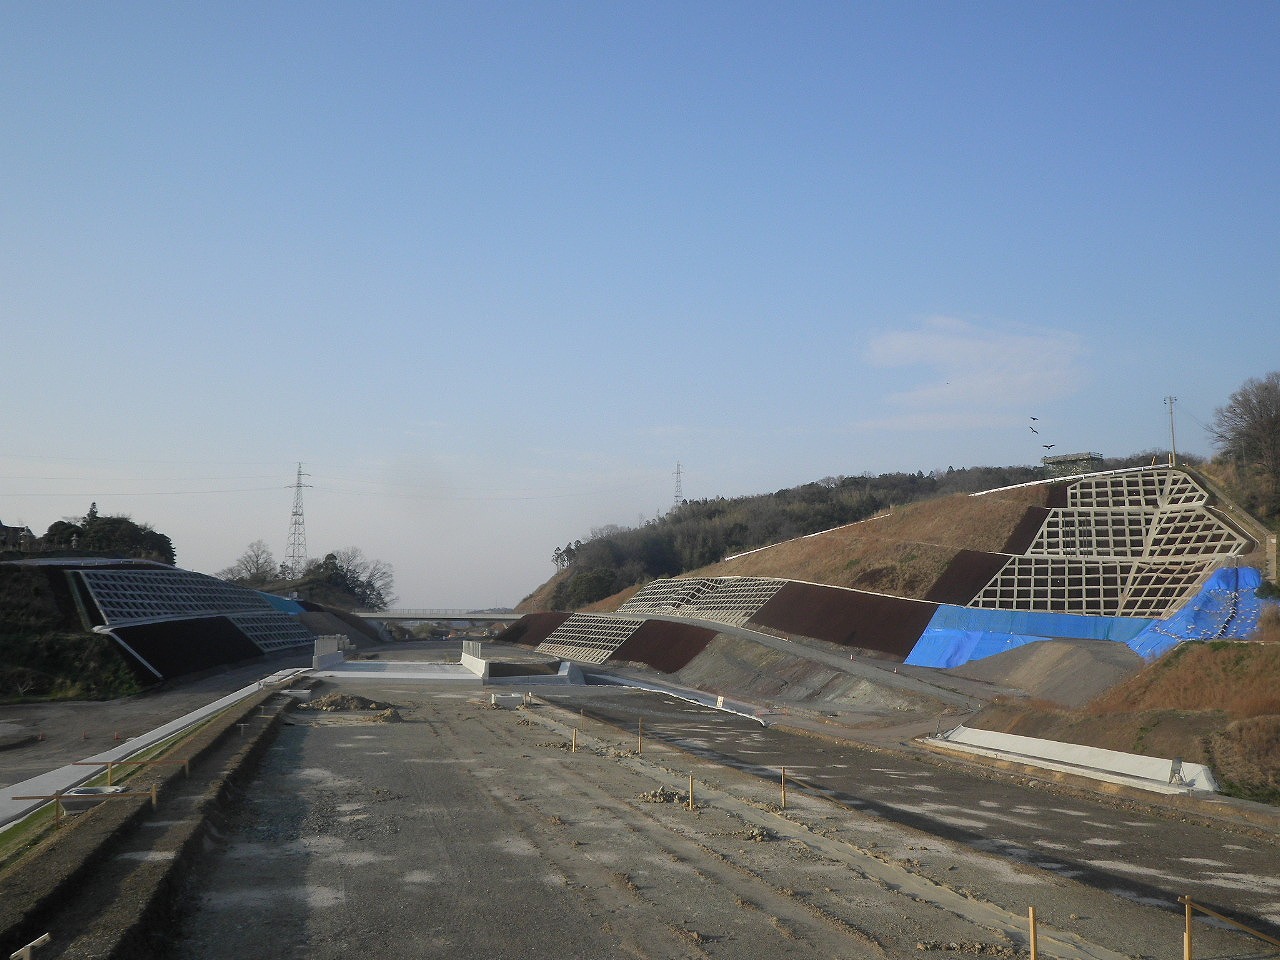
(95, 535)
(701, 532)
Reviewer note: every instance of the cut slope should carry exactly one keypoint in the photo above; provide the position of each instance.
(760, 674)
(1066, 672)
(1216, 703)
(903, 552)
(1242, 679)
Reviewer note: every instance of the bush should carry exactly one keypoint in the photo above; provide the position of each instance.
(1246, 759)
(66, 667)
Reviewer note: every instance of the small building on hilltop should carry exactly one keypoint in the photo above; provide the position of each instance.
(15, 538)
(1071, 465)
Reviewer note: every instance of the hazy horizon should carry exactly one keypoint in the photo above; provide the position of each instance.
(490, 270)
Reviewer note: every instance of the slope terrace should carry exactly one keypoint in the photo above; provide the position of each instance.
(1103, 556)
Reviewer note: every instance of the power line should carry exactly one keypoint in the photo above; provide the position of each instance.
(99, 492)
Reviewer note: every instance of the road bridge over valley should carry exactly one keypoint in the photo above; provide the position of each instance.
(439, 614)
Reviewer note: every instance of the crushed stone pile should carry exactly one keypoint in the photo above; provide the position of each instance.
(1001, 950)
(663, 795)
(345, 701)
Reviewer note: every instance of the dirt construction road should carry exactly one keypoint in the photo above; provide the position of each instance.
(470, 832)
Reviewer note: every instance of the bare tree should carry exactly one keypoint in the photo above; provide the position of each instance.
(1248, 427)
(255, 568)
(371, 580)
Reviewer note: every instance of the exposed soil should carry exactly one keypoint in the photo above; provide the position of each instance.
(429, 837)
(1065, 672)
(343, 701)
(1213, 703)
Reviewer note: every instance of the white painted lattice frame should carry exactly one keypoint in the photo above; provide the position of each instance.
(272, 631)
(589, 638)
(125, 595)
(728, 600)
(664, 596)
(1128, 544)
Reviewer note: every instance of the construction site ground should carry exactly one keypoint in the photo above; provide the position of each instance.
(475, 830)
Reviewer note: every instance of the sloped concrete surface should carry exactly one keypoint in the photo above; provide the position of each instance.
(1147, 773)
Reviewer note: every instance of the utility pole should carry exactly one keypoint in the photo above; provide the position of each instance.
(295, 557)
(679, 491)
(1173, 441)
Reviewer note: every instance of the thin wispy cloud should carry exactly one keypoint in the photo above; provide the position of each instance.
(963, 375)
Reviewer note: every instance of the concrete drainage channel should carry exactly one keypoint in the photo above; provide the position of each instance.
(103, 885)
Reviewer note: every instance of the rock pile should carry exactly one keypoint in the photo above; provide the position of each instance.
(345, 701)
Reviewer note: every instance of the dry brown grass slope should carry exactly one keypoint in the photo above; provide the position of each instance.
(901, 552)
(1216, 703)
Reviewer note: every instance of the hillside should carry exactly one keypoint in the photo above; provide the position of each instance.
(45, 653)
(1215, 703)
(901, 552)
(918, 567)
(698, 533)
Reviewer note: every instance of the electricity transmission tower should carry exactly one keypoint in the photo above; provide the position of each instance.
(295, 558)
(679, 490)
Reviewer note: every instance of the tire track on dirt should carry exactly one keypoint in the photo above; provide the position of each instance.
(921, 890)
(758, 910)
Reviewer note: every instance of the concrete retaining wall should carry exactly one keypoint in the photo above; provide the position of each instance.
(477, 665)
(1194, 776)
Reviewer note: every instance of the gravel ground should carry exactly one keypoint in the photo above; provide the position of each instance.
(44, 736)
(468, 831)
(431, 836)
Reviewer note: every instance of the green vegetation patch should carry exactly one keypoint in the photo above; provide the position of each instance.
(63, 666)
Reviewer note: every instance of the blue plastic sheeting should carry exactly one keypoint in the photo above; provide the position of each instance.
(1027, 623)
(1226, 608)
(953, 648)
(282, 604)
(957, 635)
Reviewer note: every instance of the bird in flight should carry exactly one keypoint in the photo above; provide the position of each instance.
(1033, 429)
(1048, 446)
(1035, 418)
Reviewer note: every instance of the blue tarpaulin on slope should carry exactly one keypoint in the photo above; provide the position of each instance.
(282, 604)
(1226, 608)
(953, 648)
(1031, 624)
(957, 635)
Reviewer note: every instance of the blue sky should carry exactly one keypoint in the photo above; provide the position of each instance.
(491, 270)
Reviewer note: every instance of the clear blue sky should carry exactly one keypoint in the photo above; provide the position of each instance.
(489, 270)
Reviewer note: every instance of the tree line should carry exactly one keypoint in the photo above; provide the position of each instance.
(345, 578)
(1246, 433)
(701, 532)
(100, 535)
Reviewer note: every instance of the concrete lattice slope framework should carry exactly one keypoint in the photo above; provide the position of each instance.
(1108, 556)
(589, 638)
(171, 621)
(1127, 544)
